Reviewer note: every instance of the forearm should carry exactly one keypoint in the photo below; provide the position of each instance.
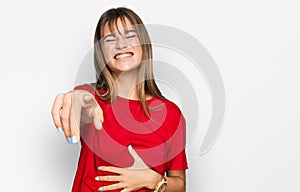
(175, 184)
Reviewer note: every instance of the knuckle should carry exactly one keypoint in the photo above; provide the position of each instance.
(67, 101)
(101, 178)
(65, 117)
(121, 178)
(59, 96)
(67, 97)
(108, 169)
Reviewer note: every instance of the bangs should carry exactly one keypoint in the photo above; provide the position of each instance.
(113, 23)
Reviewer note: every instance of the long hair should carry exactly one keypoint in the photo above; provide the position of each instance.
(105, 80)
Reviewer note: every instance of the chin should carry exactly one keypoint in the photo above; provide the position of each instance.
(125, 66)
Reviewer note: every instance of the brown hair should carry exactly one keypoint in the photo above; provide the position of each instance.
(105, 80)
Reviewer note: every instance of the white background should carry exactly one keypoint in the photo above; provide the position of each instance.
(254, 43)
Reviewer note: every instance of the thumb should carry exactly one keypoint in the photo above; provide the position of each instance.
(88, 99)
(138, 161)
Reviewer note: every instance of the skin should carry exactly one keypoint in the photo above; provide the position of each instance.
(85, 108)
(124, 42)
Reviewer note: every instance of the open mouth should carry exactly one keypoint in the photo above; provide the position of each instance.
(123, 55)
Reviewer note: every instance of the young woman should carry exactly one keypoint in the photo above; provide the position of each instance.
(132, 137)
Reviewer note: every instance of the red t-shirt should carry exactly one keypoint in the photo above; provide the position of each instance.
(159, 141)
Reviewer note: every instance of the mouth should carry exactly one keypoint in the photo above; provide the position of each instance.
(123, 55)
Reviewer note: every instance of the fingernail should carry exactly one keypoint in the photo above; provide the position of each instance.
(129, 147)
(74, 139)
(69, 140)
(59, 129)
(100, 125)
(101, 189)
(97, 178)
(100, 168)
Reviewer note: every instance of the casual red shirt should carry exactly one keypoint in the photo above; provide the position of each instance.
(159, 141)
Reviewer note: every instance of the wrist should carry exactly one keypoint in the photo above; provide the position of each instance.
(154, 179)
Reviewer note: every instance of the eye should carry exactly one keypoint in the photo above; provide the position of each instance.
(130, 36)
(110, 40)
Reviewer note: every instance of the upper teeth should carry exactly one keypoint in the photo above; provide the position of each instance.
(121, 56)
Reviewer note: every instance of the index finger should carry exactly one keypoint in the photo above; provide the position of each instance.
(56, 107)
(111, 169)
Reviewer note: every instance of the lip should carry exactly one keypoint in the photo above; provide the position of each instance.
(123, 55)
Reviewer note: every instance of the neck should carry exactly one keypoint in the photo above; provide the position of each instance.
(126, 84)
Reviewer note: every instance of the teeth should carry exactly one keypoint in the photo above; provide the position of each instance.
(121, 56)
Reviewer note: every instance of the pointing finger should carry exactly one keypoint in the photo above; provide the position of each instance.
(98, 117)
(111, 169)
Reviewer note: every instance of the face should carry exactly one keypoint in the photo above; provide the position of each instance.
(122, 50)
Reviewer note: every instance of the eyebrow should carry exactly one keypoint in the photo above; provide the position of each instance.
(109, 35)
(113, 34)
(130, 30)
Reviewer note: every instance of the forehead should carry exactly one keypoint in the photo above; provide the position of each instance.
(119, 25)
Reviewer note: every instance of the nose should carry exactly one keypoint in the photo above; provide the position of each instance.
(121, 43)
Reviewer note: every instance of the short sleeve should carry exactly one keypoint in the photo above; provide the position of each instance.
(86, 87)
(179, 162)
(176, 154)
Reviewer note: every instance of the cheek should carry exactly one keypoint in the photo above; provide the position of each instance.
(140, 53)
(107, 54)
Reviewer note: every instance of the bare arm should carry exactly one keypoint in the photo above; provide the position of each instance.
(176, 181)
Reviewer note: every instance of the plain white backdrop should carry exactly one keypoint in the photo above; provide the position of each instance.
(255, 44)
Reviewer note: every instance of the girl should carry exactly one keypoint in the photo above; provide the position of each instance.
(132, 137)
